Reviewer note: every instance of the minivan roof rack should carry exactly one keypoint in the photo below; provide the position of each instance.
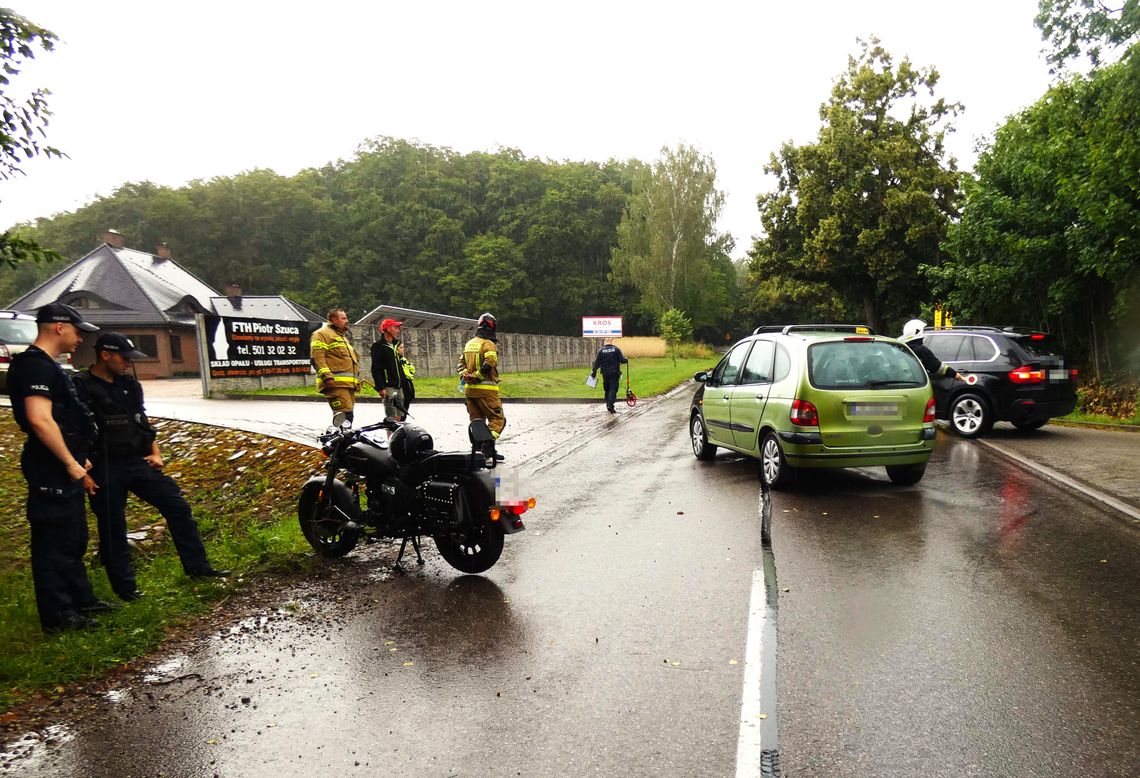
(784, 329)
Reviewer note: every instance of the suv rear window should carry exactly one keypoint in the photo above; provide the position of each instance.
(1042, 347)
(18, 331)
(863, 365)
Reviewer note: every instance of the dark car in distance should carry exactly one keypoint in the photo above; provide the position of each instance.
(1016, 375)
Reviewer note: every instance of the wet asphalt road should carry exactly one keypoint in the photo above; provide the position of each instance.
(981, 623)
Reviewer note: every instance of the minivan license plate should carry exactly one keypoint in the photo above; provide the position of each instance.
(872, 409)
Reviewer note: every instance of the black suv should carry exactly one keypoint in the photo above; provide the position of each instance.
(1015, 375)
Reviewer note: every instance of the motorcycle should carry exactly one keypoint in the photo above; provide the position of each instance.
(403, 489)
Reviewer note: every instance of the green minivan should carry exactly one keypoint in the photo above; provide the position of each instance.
(817, 395)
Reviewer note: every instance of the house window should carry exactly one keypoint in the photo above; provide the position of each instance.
(176, 348)
(80, 302)
(147, 344)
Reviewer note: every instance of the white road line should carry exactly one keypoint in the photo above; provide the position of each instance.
(748, 746)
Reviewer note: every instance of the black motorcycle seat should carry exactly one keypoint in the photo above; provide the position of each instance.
(446, 462)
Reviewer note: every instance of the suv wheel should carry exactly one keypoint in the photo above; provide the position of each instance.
(774, 467)
(970, 416)
(702, 449)
(1036, 424)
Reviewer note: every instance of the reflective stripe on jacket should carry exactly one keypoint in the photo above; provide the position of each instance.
(480, 358)
(333, 354)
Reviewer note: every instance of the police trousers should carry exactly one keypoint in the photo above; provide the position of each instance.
(58, 542)
(133, 475)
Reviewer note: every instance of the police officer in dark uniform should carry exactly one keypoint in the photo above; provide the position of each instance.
(609, 360)
(54, 461)
(127, 459)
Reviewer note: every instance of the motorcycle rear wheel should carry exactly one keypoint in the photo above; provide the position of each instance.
(474, 546)
(325, 533)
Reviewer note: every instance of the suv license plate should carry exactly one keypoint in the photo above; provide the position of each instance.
(1058, 375)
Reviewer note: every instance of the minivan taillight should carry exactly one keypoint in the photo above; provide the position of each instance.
(804, 414)
(928, 417)
(5, 355)
(1026, 375)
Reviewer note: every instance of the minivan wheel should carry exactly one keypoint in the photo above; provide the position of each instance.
(905, 475)
(702, 449)
(1026, 426)
(774, 467)
(970, 416)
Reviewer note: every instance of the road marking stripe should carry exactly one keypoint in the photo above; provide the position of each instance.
(748, 746)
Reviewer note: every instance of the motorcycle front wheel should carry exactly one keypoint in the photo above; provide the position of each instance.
(474, 546)
(322, 525)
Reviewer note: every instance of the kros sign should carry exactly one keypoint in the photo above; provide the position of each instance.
(601, 326)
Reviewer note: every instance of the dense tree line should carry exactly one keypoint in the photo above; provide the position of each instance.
(401, 223)
(871, 222)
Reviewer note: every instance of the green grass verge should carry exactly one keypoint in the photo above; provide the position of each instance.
(648, 377)
(243, 490)
(1098, 418)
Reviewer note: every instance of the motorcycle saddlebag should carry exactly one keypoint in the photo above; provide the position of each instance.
(441, 499)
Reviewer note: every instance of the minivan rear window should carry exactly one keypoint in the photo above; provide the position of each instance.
(868, 364)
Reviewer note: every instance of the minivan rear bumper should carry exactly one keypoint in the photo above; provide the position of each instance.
(867, 456)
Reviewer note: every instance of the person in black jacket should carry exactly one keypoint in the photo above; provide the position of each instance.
(387, 376)
(127, 459)
(609, 360)
(60, 430)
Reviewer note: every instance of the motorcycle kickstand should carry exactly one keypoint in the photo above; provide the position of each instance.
(403, 545)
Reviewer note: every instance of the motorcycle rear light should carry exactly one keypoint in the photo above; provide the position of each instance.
(496, 514)
(1026, 375)
(928, 416)
(1037, 336)
(804, 414)
(1073, 374)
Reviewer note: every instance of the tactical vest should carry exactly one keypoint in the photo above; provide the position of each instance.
(121, 434)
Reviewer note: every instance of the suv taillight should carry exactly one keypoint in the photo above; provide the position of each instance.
(928, 417)
(5, 355)
(804, 414)
(1026, 375)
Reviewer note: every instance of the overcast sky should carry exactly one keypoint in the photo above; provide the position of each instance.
(175, 91)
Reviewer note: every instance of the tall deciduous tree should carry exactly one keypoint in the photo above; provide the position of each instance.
(855, 214)
(1050, 230)
(1076, 27)
(668, 246)
(22, 122)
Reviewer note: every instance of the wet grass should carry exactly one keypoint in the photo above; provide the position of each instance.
(243, 490)
(648, 377)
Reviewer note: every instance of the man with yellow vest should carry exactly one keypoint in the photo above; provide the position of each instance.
(479, 371)
(337, 363)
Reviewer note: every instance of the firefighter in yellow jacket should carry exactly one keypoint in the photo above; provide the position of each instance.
(337, 363)
(479, 371)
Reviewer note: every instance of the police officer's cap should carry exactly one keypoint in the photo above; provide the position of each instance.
(53, 312)
(118, 343)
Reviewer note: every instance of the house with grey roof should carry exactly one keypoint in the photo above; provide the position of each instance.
(151, 299)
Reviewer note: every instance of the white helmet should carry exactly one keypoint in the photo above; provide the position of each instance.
(913, 329)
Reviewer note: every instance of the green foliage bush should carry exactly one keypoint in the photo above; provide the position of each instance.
(1117, 399)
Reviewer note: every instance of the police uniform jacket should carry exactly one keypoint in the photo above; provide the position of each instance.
(35, 373)
(124, 430)
(609, 360)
